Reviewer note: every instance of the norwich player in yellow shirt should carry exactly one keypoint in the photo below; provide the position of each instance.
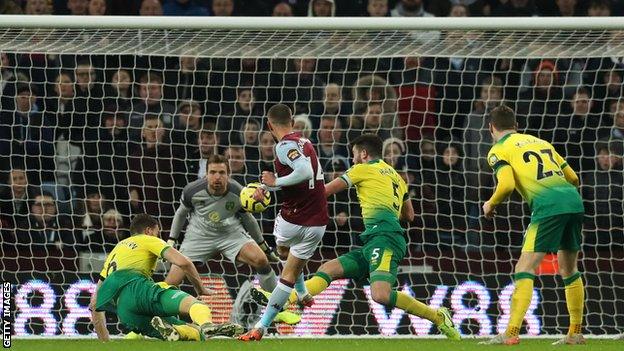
(549, 185)
(383, 197)
(126, 288)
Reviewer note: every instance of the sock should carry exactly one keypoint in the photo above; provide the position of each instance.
(520, 301)
(417, 308)
(200, 313)
(575, 300)
(268, 280)
(300, 286)
(187, 333)
(315, 285)
(276, 302)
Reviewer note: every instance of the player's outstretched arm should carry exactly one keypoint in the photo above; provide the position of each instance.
(504, 188)
(174, 256)
(98, 318)
(178, 222)
(335, 186)
(407, 211)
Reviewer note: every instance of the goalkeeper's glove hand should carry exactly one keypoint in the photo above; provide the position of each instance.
(268, 251)
(172, 243)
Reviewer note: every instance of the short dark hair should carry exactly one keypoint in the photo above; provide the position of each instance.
(503, 118)
(583, 90)
(151, 77)
(280, 114)
(372, 143)
(599, 4)
(218, 159)
(141, 222)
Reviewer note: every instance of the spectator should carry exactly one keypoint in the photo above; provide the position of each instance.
(299, 86)
(332, 105)
(576, 134)
(43, 227)
(515, 8)
(10, 7)
(377, 8)
(330, 139)
(15, 197)
(394, 154)
(416, 101)
(187, 80)
(183, 8)
(599, 8)
(342, 207)
(282, 9)
(113, 231)
(208, 142)
(236, 155)
(222, 7)
(373, 121)
(151, 8)
(151, 179)
(373, 88)
(302, 124)
(609, 88)
(25, 132)
(567, 8)
(265, 158)
(78, 7)
(119, 90)
(617, 131)
(543, 102)
(8, 79)
(249, 138)
(450, 192)
(186, 124)
(321, 8)
(410, 8)
(459, 10)
(38, 7)
(97, 8)
(602, 190)
(90, 213)
(245, 109)
(88, 99)
(150, 104)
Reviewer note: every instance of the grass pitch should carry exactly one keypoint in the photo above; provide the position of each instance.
(294, 344)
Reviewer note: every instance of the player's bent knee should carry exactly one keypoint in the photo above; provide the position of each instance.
(260, 264)
(566, 272)
(381, 296)
(282, 252)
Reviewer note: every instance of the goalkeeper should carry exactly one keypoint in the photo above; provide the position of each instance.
(382, 194)
(548, 184)
(218, 225)
(126, 288)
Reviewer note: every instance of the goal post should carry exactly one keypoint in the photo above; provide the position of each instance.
(105, 117)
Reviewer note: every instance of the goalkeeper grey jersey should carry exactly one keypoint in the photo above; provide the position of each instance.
(209, 215)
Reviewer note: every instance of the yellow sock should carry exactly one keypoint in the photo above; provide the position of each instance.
(520, 301)
(187, 333)
(575, 299)
(200, 313)
(315, 285)
(417, 308)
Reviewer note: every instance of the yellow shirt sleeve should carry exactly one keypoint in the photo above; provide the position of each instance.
(353, 175)
(506, 185)
(155, 245)
(497, 158)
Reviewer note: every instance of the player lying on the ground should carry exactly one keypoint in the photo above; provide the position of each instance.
(126, 288)
(303, 216)
(549, 185)
(218, 225)
(383, 197)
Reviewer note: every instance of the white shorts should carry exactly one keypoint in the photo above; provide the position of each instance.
(201, 248)
(301, 240)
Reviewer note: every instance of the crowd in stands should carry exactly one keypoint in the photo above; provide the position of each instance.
(88, 141)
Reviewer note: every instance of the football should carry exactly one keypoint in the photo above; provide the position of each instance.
(247, 201)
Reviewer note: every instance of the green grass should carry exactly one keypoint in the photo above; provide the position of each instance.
(367, 344)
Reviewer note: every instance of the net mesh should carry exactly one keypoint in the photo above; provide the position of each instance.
(111, 123)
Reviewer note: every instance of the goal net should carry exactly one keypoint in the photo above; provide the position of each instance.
(105, 118)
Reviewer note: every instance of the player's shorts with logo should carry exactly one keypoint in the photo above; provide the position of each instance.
(302, 240)
(379, 257)
(553, 233)
(137, 299)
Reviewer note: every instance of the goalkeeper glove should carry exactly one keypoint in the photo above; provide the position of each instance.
(172, 243)
(268, 251)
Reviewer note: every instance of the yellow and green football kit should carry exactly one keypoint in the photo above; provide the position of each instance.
(128, 289)
(381, 192)
(539, 175)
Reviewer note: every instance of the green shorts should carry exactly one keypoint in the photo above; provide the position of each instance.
(378, 259)
(142, 299)
(554, 233)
